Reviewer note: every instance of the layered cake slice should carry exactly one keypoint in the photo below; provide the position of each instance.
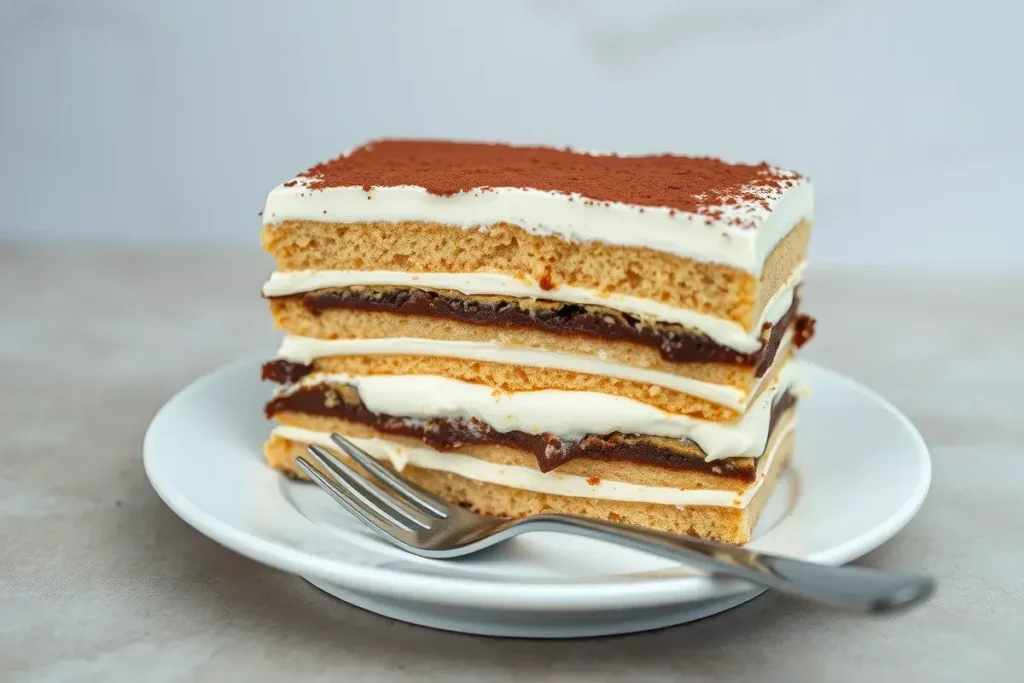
(525, 330)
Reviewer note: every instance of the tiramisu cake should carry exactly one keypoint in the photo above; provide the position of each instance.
(524, 330)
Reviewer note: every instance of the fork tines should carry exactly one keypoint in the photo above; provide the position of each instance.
(398, 503)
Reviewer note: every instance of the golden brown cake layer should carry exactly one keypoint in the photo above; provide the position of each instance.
(735, 478)
(291, 316)
(730, 525)
(419, 246)
(388, 311)
(342, 403)
(509, 378)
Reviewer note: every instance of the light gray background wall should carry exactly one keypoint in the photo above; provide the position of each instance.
(167, 122)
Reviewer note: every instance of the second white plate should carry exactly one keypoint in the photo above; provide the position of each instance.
(203, 456)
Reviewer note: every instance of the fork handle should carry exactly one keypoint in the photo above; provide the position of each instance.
(854, 588)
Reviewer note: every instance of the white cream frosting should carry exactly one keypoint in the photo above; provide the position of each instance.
(306, 349)
(725, 332)
(566, 414)
(530, 479)
(740, 235)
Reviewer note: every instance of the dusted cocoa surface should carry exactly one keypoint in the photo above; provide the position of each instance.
(692, 184)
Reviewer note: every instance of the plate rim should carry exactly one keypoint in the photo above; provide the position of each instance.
(473, 591)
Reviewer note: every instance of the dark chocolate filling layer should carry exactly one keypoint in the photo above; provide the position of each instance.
(445, 434)
(285, 371)
(675, 343)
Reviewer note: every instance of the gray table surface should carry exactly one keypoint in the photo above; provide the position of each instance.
(100, 581)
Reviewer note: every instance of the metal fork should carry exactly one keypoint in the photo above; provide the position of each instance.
(425, 525)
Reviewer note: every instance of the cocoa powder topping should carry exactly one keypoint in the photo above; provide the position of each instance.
(691, 184)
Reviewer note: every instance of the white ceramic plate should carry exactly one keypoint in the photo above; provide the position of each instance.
(203, 456)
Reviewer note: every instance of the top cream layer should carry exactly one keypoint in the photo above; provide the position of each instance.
(741, 235)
